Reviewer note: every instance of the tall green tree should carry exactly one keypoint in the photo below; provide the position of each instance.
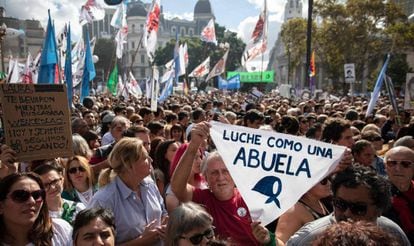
(358, 31)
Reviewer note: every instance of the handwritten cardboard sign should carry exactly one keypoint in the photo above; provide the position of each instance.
(36, 120)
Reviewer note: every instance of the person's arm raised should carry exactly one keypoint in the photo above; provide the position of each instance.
(179, 185)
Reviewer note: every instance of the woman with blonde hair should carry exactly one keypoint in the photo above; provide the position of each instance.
(79, 180)
(131, 195)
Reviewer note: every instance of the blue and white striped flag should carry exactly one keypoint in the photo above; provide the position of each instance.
(378, 85)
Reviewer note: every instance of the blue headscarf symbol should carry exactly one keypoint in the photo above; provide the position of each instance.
(265, 187)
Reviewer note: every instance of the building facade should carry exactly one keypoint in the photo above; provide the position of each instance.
(19, 46)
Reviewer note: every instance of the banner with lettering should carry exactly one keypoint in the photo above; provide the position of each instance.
(272, 170)
(36, 120)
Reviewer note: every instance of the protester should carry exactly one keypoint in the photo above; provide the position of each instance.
(53, 180)
(189, 224)
(95, 226)
(358, 194)
(24, 217)
(307, 209)
(79, 181)
(81, 147)
(347, 233)
(131, 195)
(195, 178)
(222, 200)
(164, 156)
(399, 163)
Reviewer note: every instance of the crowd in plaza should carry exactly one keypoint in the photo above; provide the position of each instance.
(139, 177)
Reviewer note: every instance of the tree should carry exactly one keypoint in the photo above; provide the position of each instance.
(359, 31)
(293, 34)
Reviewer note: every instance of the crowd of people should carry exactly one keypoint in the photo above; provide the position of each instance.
(142, 177)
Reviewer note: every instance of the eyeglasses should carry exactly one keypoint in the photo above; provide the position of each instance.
(325, 181)
(21, 196)
(359, 209)
(74, 170)
(404, 163)
(197, 238)
(51, 184)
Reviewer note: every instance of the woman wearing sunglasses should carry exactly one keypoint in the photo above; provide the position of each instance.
(189, 224)
(79, 181)
(307, 209)
(24, 217)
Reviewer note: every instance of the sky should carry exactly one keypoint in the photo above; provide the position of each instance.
(236, 15)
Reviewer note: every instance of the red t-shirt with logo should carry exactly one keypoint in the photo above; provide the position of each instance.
(231, 218)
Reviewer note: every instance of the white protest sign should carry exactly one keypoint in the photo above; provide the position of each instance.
(272, 170)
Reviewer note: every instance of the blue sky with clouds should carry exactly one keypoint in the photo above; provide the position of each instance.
(237, 15)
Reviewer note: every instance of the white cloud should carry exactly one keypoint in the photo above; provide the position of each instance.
(186, 16)
(61, 11)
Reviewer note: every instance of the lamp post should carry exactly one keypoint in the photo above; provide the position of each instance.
(3, 29)
(308, 41)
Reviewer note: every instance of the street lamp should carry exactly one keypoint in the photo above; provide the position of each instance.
(3, 29)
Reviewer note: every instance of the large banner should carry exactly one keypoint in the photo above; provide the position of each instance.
(36, 120)
(272, 170)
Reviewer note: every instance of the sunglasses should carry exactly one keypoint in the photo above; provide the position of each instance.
(21, 196)
(325, 181)
(404, 164)
(358, 209)
(74, 170)
(197, 238)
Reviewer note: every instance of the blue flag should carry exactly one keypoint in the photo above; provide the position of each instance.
(378, 85)
(89, 68)
(68, 68)
(168, 89)
(176, 57)
(222, 83)
(49, 58)
(233, 83)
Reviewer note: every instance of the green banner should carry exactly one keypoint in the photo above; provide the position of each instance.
(254, 77)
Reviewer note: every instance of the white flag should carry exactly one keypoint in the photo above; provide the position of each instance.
(14, 72)
(272, 170)
(91, 11)
(219, 67)
(258, 42)
(151, 29)
(119, 15)
(133, 87)
(209, 34)
(155, 87)
(183, 58)
(202, 69)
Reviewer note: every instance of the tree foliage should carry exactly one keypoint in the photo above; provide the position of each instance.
(355, 31)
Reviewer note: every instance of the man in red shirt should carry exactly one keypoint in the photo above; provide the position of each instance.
(222, 200)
